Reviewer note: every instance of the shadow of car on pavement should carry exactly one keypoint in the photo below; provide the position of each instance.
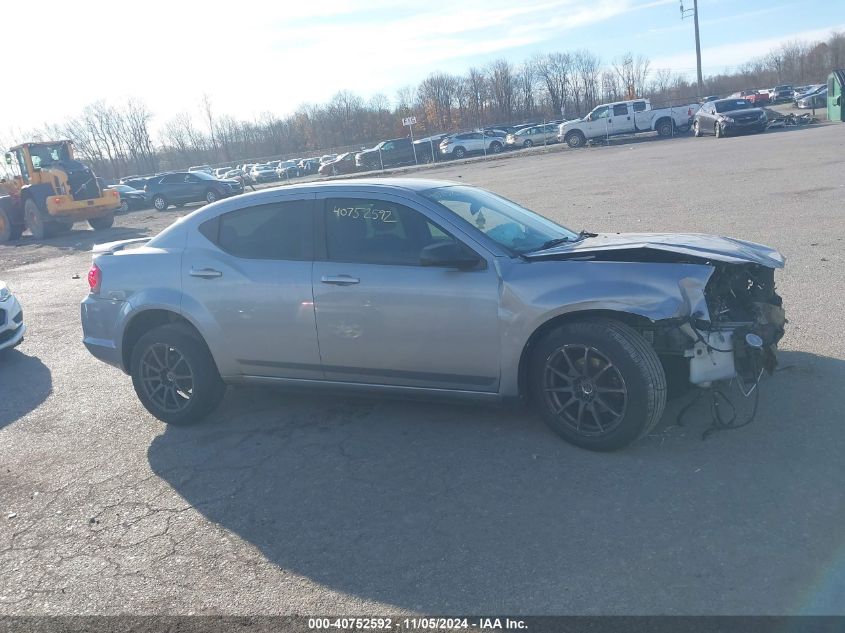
(25, 382)
(458, 509)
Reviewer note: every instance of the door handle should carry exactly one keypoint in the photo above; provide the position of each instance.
(340, 280)
(205, 273)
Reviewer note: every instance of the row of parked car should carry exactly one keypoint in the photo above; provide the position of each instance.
(740, 111)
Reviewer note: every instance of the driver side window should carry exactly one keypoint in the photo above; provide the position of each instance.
(599, 113)
(371, 231)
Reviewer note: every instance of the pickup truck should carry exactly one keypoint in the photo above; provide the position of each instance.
(626, 117)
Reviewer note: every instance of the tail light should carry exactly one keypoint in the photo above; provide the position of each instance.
(95, 278)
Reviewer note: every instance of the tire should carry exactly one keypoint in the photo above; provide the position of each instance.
(211, 196)
(460, 152)
(575, 139)
(528, 143)
(102, 223)
(35, 220)
(718, 132)
(696, 130)
(192, 398)
(160, 202)
(495, 147)
(124, 206)
(665, 128)
(590, 358)
(9, 231)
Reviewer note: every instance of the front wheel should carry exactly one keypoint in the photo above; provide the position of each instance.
(8, 230)
(460, 152)
(102, 223)
(159, 202)
(124, 206)
(696, 129)
(575, 139)
(175, 376)
(528, 143)
(495, 147)
(211, 196)
(599, 384)
(718, 132)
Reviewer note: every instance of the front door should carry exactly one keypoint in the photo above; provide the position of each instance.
(596, 125)
(248, 273)
(383, 318)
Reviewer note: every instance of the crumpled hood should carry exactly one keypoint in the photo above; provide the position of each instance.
(710, 247)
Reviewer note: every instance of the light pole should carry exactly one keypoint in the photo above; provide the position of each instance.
(685, 14)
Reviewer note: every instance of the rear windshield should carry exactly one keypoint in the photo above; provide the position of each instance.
(729, 105)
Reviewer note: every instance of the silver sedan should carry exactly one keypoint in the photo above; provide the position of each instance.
(430, 288)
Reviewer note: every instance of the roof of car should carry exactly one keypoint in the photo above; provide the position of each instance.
(361, 184)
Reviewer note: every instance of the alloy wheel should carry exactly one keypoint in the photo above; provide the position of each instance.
(585, 390)
(166, 377)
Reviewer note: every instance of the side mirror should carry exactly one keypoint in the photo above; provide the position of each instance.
(8, 158)
(449, 255)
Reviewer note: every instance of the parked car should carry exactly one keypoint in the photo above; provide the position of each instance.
(180, 188)
(343, 164)
(780, 93)
(326, 158)
(460, 145)
(729, 116)
(12, 328)
(626, 117)
(287, 169)
(804, 91)
(130, 198)
(220, 172)
(263, 173)
(204, 168)
(754, 97)
(530, 136)
(136, 182)
(393, 153)
(428, 148)
(427, 287)
(815, 100)
(308, 166)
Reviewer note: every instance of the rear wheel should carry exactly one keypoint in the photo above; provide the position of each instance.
(159, 202)
(575, 139)
(102, 223)
(175, 376)
(599, 384)
(665, 127)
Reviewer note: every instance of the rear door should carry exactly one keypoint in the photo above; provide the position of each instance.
(382, 317)
(247, 276)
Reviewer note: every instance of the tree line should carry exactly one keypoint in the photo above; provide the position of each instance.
(117, 139)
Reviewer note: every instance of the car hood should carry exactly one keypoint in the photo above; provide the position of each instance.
(705, 247)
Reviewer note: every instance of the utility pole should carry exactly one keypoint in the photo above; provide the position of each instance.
(685, 14)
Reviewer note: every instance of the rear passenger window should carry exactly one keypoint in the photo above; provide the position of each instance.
(280, 230)
(639, 106)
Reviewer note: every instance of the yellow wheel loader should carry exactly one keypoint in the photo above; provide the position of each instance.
(50, 191)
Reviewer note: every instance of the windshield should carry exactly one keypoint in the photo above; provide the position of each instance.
(732, 104)
(510, 225)
(46, 155)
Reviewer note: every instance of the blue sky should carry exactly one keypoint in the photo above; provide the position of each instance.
(272, 55)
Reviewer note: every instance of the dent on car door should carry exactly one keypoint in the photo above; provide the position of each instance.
(247, 277)
(383, 318)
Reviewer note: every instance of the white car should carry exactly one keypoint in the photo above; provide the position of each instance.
(12, 328)
(459, 145)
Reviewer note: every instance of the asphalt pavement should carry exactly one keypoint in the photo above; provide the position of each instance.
(287, 503)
